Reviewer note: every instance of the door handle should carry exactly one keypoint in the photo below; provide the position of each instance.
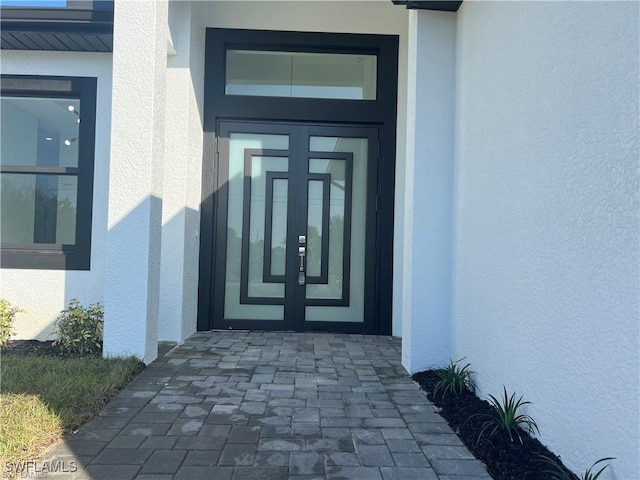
(301, 275)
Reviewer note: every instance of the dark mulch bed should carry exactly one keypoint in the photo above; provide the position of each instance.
(35, 348)
(505, 460)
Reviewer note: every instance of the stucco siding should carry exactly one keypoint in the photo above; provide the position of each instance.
(132, 292)
(182, 175)
(546, 218)
(44, 293)
(428, 197)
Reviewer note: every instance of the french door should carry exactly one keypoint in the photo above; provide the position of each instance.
(295, 227)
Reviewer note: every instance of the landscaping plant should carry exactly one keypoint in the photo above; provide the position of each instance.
(7, 316)
(506, 417)
(454, 379)
(79, 329)
(504, 458)
(559, 473)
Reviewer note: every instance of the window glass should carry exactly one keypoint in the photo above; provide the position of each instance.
(40, 131)
(38, 208)
(301, 74)
(37, 134)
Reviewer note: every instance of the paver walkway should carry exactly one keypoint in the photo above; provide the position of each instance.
(267, 405)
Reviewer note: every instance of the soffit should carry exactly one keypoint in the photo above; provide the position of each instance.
(79, 27)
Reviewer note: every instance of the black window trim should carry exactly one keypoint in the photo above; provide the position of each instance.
(57, 256)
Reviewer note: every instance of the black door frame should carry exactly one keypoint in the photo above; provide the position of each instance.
(380, 113)
(294, 302)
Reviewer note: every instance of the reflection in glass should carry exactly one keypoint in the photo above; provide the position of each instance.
(279, 227)
(314, 228)
(301, 74)
(39, 131)
(38, 209)
(323, 144)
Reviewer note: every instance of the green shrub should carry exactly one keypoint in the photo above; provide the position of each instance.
(7, 316)
(79, 329)
(506, 417)
(454, 379)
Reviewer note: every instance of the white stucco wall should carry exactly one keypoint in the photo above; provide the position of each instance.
(44, 293)
(426, 252)
(377, 17)
(546, 233)
(182, 173)
(132, 278)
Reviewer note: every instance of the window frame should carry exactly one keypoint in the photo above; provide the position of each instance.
(58, 256)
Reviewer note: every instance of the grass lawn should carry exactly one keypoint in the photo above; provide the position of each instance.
(41, 397)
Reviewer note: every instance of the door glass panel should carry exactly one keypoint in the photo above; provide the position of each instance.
(259, 167)
(279, 228)
(301, 74)
(249, 156)
(336, 173)
(314, 228)
(341, 297)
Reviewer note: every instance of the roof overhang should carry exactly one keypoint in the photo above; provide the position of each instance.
(444, 6)
(80, 26)
(87, 25)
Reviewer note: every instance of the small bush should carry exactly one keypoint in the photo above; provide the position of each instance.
(454, 379)
(79, 329)
(506, 417)
(7, 316)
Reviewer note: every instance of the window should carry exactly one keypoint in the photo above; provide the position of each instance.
(46, 171)
(301, 74)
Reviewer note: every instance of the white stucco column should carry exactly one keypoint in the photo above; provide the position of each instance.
(427, 243)
(135, 179)
(182, 172)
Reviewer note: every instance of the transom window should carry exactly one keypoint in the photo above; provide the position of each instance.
(301, 74)
(46, 172)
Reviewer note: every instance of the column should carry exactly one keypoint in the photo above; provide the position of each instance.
(427, 243)
(132, 283)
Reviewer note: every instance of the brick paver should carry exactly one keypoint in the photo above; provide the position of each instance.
(271, 405)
